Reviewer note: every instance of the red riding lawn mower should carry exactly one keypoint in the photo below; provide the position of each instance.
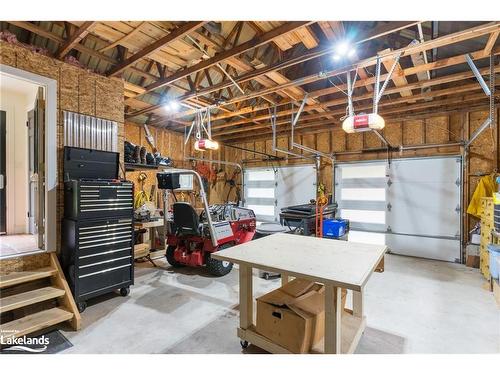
(192, 238)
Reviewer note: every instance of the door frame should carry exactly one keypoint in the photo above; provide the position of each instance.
(3, 173)
(461, 187)
(50, 86)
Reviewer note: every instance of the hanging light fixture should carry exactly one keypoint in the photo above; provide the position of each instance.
(206, 144)
(361, 123)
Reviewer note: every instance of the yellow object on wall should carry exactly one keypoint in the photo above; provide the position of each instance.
(485, 188)
(487, 225)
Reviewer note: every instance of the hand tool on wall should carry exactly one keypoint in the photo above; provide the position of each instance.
(149, 138)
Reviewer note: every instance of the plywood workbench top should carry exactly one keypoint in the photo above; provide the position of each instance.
(341, 263)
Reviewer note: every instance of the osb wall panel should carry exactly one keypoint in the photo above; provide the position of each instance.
(482, 159)
(136, 135)
(438, 130)
(171, 144)
(393, 132)
(77, 90)
(413, 132)
(26, 263)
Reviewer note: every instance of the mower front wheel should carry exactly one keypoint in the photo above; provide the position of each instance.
(169, 254)
(219, 267)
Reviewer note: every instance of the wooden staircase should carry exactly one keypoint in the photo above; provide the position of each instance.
(34, 295)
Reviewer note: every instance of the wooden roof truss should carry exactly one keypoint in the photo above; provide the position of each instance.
(241, 69)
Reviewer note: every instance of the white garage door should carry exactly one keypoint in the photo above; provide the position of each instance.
(413, 205)
(267, 190)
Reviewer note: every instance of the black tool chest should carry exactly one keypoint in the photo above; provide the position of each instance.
(97, 230)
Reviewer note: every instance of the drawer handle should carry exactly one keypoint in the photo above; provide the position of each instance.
(105, 261)
(112, 236)
(107, 225)
(104, 253)
(104, 271)
(103, 244)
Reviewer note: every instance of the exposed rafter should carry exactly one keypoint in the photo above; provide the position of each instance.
(74, 39)
(253, 43)
(243, 68)
(491, 42)
(312, 54)
(145, 52)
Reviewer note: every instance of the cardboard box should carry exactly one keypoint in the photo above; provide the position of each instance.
(293, 316)
(472, 261)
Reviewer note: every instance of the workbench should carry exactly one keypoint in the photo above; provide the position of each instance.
(145, 249)
(336, 264)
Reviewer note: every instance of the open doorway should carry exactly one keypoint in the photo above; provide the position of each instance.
(22, 169)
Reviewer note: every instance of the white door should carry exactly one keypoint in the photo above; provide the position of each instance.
(267, 190)
(411, 205)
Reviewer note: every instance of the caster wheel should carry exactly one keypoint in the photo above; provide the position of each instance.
(124, 292)
(244, 344)
(81, 306)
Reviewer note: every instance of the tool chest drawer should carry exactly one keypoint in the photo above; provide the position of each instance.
(98, 282)
(92, 199)
(97, 255)
(103, 256)
(108, 235)
(103, 265)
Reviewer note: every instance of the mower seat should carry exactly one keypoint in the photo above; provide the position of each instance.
(186, 219)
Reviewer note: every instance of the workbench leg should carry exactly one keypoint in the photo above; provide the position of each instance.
(246, 297)
(333, 323)
(285, 278)
(358, 301)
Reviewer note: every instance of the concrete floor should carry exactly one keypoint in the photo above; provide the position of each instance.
(16, 244)
(415, 306)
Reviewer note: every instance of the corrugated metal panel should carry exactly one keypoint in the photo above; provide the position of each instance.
(90, 132)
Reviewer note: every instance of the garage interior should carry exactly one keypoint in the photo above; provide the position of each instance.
(250, 187)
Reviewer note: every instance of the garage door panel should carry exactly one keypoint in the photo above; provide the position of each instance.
(365, 183)
(419, 208)
(440, 170)
(295, 185)
(363, 205)
(424, 208)
(368, 227)
(424, 247)
(267, 190)
(260, 184)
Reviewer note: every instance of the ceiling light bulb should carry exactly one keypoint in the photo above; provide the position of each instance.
(342, 48)
(172, 106)
(336, 57)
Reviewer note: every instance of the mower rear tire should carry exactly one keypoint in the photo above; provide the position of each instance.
(219, 267)
(169, 254)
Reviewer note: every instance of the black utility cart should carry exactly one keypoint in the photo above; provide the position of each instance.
(97, 247)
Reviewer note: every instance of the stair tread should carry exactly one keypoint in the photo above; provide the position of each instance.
(34, 322)
(16, 278)
(16, 301)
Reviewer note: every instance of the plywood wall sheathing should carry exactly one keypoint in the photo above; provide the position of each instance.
(77, 90)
